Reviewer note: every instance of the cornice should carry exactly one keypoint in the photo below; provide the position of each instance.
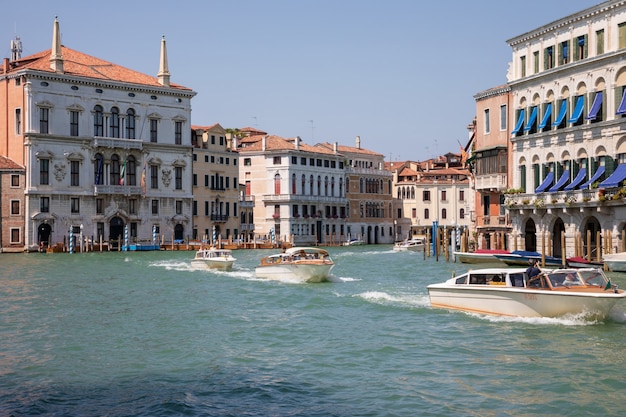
(587, 14)
(118, 85)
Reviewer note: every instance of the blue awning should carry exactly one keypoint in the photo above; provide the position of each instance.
(580, 177)
(593, 179)
(595, 107)
(561, 182)
(615, 178)
(578, 110)
(561, 116)
(546, 116)
(531, 119)
(546, 183)
(520, 122)
(622, 105)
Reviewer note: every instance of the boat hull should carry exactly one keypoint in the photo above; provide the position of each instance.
(522, 302)
(225, 264)
(476, 258)
(297, 272)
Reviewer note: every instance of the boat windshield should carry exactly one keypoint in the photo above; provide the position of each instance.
(594, 277)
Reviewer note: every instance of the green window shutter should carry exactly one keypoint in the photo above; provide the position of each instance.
(523, 178)
(536, 175)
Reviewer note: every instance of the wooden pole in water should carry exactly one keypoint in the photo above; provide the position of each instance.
(563, 247)
(543, 249)
(598, 245)
(588, 254)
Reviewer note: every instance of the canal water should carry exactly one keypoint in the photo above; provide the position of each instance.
(144, 334)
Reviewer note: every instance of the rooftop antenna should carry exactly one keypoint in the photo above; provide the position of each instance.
(16, 48)
(255, 121)
(312, 136)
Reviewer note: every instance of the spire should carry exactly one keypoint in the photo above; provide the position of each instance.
(164, 72)
(56, 58)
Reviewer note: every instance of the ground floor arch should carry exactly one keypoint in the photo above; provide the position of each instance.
(530, 235)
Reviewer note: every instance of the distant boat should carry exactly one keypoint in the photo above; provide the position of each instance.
(214, 258)
(417, 244)
(354, 242)
(615, 262)
(480, 256)
(523, 258)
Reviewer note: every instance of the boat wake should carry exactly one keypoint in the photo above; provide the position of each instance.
(383, 298)
(174, 265)
(580, 319)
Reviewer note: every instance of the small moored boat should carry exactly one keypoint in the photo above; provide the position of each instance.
(416, 244)
(508, 292)
(354, 242)
(522, 258)
(214, 258)
(615, 262)
(480, 256)
(300, 264)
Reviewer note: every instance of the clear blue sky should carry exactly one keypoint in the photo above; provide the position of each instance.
(401, 74)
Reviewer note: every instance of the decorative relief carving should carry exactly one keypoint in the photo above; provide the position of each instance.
(59, 172)
(167, 177)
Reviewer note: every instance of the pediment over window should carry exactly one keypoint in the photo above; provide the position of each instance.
(179, 163)
(74, 156)
(155, 161)
(179, 118)
(44, 154)
(75, 107)
(154, 116)
(45, 103)
(179, 218)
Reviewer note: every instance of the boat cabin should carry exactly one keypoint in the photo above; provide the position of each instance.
(509, 278)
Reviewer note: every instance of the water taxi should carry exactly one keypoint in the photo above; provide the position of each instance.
(214, 258)
(300, 264)
(509, 292)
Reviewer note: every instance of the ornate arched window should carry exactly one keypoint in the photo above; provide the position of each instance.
(130, 124)
(98, 169)
(114, 124)
(98, 121)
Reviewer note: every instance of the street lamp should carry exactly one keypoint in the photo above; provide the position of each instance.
(81, 238)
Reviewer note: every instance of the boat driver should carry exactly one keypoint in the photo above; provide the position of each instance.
(533, 270)
(570, 280)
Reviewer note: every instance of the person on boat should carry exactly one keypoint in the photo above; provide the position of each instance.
(570, 280)
(533, 270)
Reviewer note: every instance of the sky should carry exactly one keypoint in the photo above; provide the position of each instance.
(401, 74)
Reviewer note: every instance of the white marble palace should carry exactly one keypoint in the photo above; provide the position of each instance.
(107, 150)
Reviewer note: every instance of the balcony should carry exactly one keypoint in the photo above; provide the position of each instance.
(580, 200)
(299, 198)
(219, 218)
(117, 189)
(100, 142)
(491, 221)
(491, 182)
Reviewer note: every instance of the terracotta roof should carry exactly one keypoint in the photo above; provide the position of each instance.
(78, 64)
(277, 143)
(349, 149)
(408, 172)
(8, 164)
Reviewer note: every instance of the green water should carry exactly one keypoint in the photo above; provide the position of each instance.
(144, 334)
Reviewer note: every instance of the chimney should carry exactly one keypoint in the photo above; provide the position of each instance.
(335, 148)
(164, 72)
(297, 143)
(6, 65)
(263, 143)
(358, 142)
(56, 57)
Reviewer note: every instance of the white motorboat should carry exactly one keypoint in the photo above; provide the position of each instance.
(416, 244)
(508, 292)
(354, 242)
(300, 264)
(615, 262)
(214, 258)
(479, 256)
